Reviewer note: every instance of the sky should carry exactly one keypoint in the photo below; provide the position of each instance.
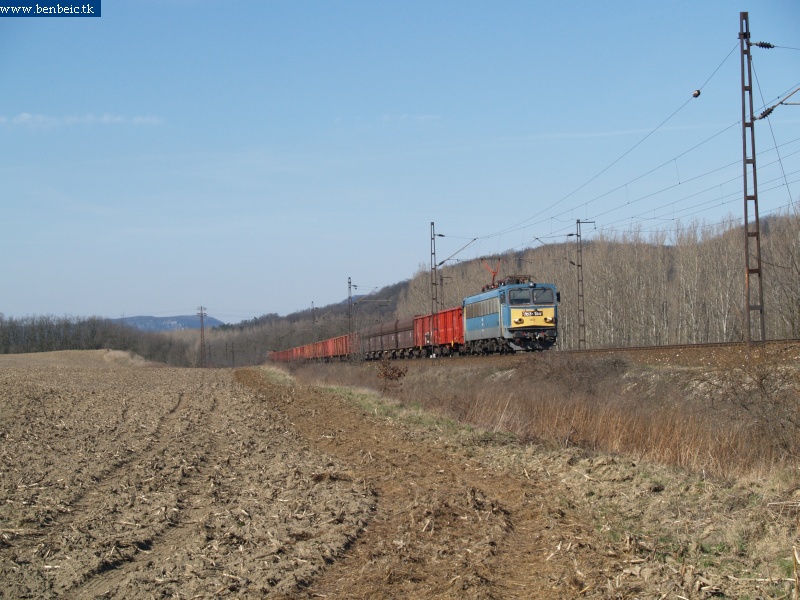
(250, 156)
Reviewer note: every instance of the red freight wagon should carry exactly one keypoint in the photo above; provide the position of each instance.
(439, 333)
(394, 339)
(340, 346)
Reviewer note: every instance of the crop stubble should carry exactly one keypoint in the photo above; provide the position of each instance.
(122, 480)
(139, 482)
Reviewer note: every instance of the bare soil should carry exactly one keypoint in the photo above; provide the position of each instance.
(127, 480)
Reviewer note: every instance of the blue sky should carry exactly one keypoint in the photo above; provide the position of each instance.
(250, 156)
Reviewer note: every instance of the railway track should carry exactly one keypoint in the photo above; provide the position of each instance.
(679, 354)
(740, 345)
(718, 353)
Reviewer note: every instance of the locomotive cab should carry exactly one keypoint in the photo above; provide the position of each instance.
(512, 315)
(529, 315)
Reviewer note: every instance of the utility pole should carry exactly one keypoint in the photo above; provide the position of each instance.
(434, 294)
(349, 305)
(581, 308)
(434, 291)
(313, 332)
(202, 314)
(753, 283)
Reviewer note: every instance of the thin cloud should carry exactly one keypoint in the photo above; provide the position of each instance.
(577, 135)
(34, 121)
(407, 118)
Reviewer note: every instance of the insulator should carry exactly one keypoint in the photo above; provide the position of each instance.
(766, 113)
(765, 45)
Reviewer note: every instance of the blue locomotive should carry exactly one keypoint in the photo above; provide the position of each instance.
(515, 314)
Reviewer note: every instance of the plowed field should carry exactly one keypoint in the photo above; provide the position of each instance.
(125, 480)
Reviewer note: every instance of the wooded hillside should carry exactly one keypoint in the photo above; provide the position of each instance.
(641, 288)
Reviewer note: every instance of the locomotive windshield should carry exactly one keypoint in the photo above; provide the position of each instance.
(520, 296)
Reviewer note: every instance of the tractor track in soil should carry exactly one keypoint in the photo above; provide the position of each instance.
(184, 433)
(121, 480)
(118, 565)
(445, 525)
(135, 482)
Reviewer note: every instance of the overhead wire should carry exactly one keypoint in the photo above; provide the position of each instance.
(654, 193)
(644, 217)
(670, 187)
(627, 152)
(681, 182)
(680, 226)
(662, 165)
(457, 251)
(779, 161)
(771, 130)
(690, 196)
(702, 207)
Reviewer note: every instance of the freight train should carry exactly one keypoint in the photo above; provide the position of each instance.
(512, 315)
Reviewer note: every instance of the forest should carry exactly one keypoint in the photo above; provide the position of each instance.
(640, 288)
(684, 286)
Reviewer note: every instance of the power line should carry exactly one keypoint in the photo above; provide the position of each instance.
(694, 95)
(669, 212)
(667, 188)
(524, 225)
(643, 216)
(769, 122)
(692, 195)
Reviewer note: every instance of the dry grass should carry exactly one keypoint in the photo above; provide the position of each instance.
(733, 419)
(688, 462)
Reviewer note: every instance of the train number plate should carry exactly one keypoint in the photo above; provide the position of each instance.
(531, 313)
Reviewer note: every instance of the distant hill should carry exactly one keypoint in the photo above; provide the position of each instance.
(168, 323)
